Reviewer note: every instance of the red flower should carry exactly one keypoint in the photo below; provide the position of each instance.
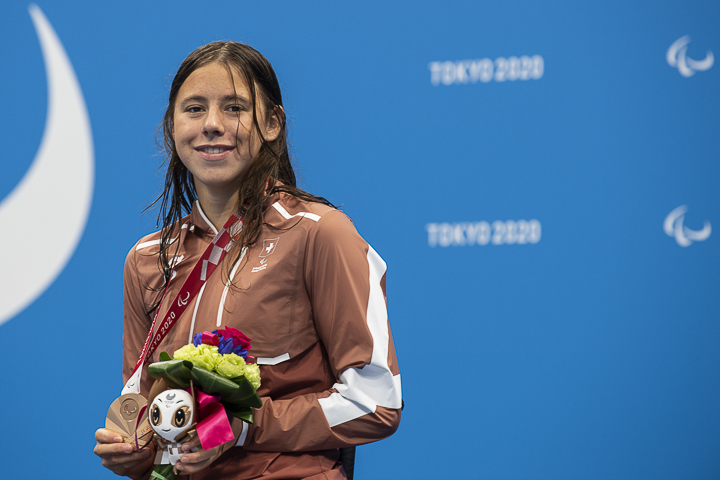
(209, 338)
(239, 338)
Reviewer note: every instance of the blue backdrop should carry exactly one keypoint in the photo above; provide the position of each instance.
(541, 178)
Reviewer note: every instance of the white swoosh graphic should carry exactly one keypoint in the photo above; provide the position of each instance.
(669, 223)
(699, 235)
(672, 53)
(682, 66)
(673, 226)
(45, 214)
(702, 65)
(677, 57)
(680, 237)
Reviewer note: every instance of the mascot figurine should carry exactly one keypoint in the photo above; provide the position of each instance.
(172, 417)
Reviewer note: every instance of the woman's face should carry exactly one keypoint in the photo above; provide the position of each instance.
(213, 129)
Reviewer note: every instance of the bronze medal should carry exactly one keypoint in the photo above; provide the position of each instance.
(122, 417)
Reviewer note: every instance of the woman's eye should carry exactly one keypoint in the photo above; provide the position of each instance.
(193, 109)
(235, 108)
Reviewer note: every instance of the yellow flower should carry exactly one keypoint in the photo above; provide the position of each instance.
(252, 373)
(231, 366)
(205, 356)
(184, 352)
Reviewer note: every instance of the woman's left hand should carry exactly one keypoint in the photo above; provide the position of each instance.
(193, 462)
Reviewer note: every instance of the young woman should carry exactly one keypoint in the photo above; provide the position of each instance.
(298, 280)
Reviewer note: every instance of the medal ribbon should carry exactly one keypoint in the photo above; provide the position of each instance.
(205, 266)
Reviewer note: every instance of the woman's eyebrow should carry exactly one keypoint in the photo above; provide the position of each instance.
(226, 98)
(194, 98)
(239, 98)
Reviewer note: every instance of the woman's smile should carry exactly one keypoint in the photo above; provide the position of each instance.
(214, 152)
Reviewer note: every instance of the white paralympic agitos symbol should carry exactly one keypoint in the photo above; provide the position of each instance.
(183, 301)
(51, 203)
(684, 237)
(677, 57)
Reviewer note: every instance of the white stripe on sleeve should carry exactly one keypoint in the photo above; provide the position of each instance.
(287, 216)
(362, 390)
(274, 360)
(150, 243)
(243, 435)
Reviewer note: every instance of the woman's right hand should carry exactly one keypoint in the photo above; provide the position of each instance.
(122, 458)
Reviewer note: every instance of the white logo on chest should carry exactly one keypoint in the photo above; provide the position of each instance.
(268, 248)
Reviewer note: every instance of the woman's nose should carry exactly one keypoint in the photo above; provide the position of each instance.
(213, 124)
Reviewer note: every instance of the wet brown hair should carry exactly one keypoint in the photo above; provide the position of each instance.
(272, 163)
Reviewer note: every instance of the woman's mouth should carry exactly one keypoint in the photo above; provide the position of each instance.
(214, 152)
(214, 149)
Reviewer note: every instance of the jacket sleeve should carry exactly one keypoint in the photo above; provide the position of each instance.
(345, 280)
(136, 322)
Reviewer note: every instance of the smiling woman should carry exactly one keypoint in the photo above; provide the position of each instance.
(297, 279)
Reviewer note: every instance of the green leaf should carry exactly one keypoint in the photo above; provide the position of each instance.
(241, 394)
(212, 383)
(165, 356)
(243, 413)
(246, 394)
(245, 391)
(163, 472)
(176, 373)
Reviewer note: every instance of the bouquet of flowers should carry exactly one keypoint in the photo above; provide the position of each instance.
(224, 381)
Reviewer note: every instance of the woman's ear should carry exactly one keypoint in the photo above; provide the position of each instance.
(274, 123)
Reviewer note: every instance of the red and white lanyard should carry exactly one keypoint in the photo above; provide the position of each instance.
(205, 266)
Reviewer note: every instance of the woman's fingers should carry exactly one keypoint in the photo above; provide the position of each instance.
(116, 455)
(194, 462)
(105, 449)
(110, 443)
(190, 444)
(103, 435)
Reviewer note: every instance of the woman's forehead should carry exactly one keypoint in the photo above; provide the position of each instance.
(215, 79)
